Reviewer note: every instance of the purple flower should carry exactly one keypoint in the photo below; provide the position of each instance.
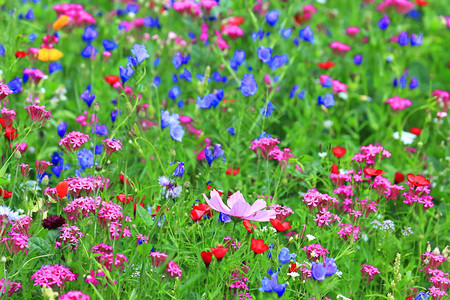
(109, 45)
(61, 128)
(126, 73)
(327, 101)
(90, 34)
(285, 257)
(416, 40)
(87, 98)
(403, 38)
(140, 52)
(264, 54)
(321, 270)
(272, 285)
(384, 22)
(248, 85)
(213, 155)
(272, 17)
(306, 34)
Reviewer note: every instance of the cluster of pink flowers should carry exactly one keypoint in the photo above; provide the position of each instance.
(369, 271)
(188, 7)
(433, 259)
(110, 212)
(112, 145)
(442, 98)
(74, 295)
(325, 217)
(157, 258)
(348, 231)
(69, 235)
(419, 194)
(384, 187)
(92, 277)
(370, 153)
(339, 48)
(4, 91)
(239, 282)
(111, 260)
(341, 177)
(18, 236)
(81, 207)
(53, 276)
(82, 119)
(345, 191)
(116, 230)
(398, 103)
(38, 113)
(233, 31)
(264, 146)
(9, 287)
(35, 75)
(231, 244)
(73, 141)
(76, 13)
(8, 116)
(439, 278)
(314, 199)
(41, 166)
(401, 6)
(282, 211)
(79, 186)
(316, 252)
(172, 269)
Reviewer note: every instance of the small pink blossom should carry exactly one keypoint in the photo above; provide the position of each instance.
(398, 103)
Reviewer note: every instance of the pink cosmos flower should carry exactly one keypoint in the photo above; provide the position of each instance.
(4, 91)
(339, 48)
(239, 208)
(398, 103)
(112, 145)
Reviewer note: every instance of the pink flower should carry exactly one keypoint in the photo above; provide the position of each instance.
(11, 287)
(112, 145)
(24, 170)
(233, 31)
(369, 271)
(8, 116)
(352, 31)
(38, 113)
(53, 275)
(69, 235)
(239, 208)
(35, 75)
(41, 166)
(339, 87)
(398, 103)
(74, 295)
(73, 141)
(339, 48)
(157, 258)
(4, 91)
(173, 269)
(401, 6)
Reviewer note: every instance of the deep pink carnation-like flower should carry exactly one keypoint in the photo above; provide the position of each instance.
(112, 145)
(73, 141)
(38, 113)
(369, 271)
(9, 287)
(173, 269)
(398, 103)
(74, 295)
(4, 91)
(53, 276)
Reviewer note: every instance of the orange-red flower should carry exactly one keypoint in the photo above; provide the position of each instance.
(249, 226)
(258, 246)
(417, 180)
(207, 257)
(339, 151)
(326, 65)
(219, 252)
(62, 21)
(62, 188)
(276, 223)
(373, 172)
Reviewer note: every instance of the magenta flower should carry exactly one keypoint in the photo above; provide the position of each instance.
(173, 269)
(74, 295)
(112, 145)
(8, 116)
(239, 208)
(340, 48)
(73, 141)
(41, 166)
(53, 275)
(398, 103)
(4, 91)
(369, 271)
(157, 258)
(38, 113)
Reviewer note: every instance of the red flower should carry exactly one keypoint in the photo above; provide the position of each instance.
(157, 209)
(207, 257)
(208, 187)
(338, 151)
(280, 226)
(258, 246)
(10, 133)
(326, 65)
(249, 226)
(62, 188)
(235, 20)
(111, 79)
(2, 122)
(5, 194)
(198, 211)
(219, 252)
(234, 171)
(417, 180)
(136, 204)
(123, 179)
(122, 198)
(373, 172)
(422, 2)
(335, 169)
(399, 177)
(415, 130)
(21, 54)
(293, 268)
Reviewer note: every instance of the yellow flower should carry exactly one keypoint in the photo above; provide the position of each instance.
(62, 21)
(49, 54)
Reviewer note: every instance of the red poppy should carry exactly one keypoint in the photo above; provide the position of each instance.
(219, 252)
(21, 54)
(422, 2)
(417, 180)
(280, 226)
(228, 100)
(122, 198)
(232, 171)
(326, 65)
(2, 122)
(5, 194)
(373, 172)
(198, 211)
(249, 226)
(409, 298)
(335, 169)
(10, 133)
(258, 246)
(208, 187)
(293, 268)
(339, 151)
(207, 257)
(136, 204)
(415, 130)
(235, 20)
(111, 79)
(123, 179)
(399, 177)
(157, 209)
(62, 188)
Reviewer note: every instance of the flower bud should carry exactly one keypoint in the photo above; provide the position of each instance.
(45, 180)
(96, 107)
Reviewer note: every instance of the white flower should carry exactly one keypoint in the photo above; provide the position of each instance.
(10, 214)
(293, 274)
(310, 237)
(407, 138)
(343, 95)
(339, 274)
(263, 228)
(322, 154)
(342, 297)
(327, 124)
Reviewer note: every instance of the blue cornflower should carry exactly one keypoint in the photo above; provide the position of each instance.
(248, 85)
(231, 131)
(100, 129)
(327, 101)
(416, 40)
(88, 98)
(126, 73)
(15, 85)
(422, 295)
(272, 285)
(186, 75)
(301, 95)
(177, 60)
(402, 81)
(327, 82)
(89, 51)
(177, 132)
(32, 37)
(114, 114)
(278, 61)
(140, 52)
(30, 15)
(321, 270)
(264, 54)
(85, 158)
(61, 128)
(180, 103)
(357, 59)
(132, 8)
(174, 92)
(286, 33)
(179, 170)
(2, 50)
(223, 218)
(90, 34)
(109, 45)
(272, 17)
(384, 22)
(174, 78)
(213, 155)
(413, 83)
(55, 66)
(403, 38)
(98, 149)
(210, 100)
(57, 158)
(239, 56)
(285, 257)
(293, 91)
(266, 111)
(157, 81)
(168, 119)
(156, 61)
(306, 34)
(395, 82)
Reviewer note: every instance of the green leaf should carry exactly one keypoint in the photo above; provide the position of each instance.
(144, 215)
(40, 245)
(424, 135)
(52, 235)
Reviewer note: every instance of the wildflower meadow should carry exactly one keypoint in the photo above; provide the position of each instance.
(220, 149)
